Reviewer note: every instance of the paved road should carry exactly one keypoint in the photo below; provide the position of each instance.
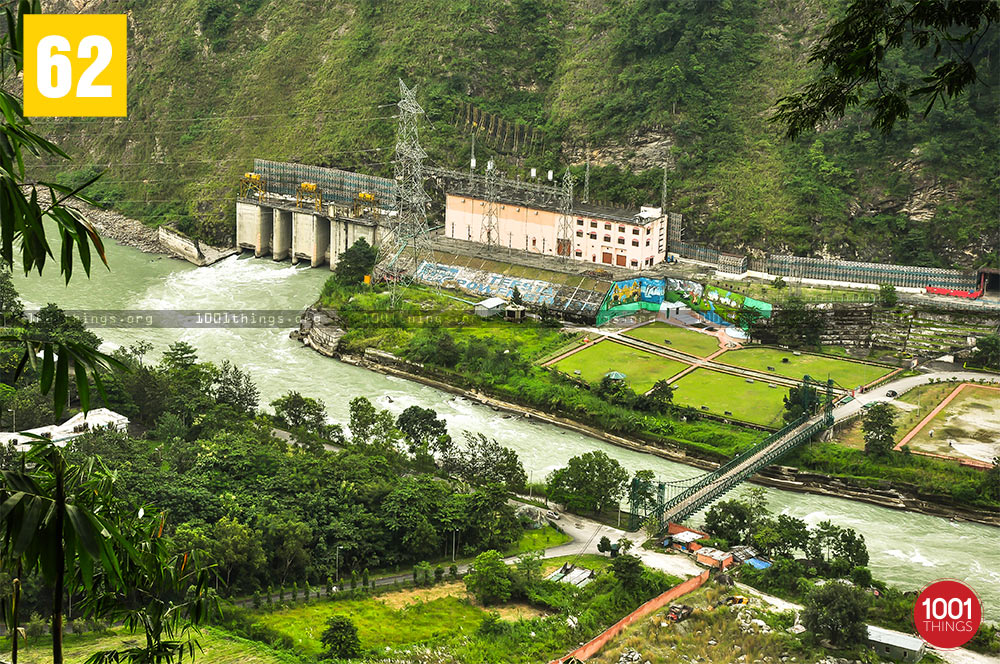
(902, 385)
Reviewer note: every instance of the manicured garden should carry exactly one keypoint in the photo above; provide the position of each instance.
(846, 373)
(678, 338)
(641, 369)
(751, 402)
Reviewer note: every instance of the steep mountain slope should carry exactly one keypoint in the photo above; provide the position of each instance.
(640, 83)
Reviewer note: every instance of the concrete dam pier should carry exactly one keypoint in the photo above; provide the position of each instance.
(285, 230)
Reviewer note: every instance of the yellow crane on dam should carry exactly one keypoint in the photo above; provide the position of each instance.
(253, 185)
(309, 193)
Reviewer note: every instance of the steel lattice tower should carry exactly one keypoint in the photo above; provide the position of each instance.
(564, 236)
(406, 243)
(489, 232)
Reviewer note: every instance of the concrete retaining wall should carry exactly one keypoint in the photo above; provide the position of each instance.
(190, 250)
(594, 646)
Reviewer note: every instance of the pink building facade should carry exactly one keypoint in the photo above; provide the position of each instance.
(599, 235)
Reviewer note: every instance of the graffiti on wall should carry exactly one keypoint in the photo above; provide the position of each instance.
(487, 284)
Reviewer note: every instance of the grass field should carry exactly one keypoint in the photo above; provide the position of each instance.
(379, 624)
(679, 338)
(219, 647)
(844, 372)
(970, 422)
(641, 369)
(542, 538)
(751, 402)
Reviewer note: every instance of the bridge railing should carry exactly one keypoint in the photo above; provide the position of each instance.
(736, 478)
(724, 484)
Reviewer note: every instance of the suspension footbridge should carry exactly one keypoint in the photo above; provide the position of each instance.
(666, 502)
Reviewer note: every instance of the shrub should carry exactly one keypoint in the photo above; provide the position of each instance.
(340, 638)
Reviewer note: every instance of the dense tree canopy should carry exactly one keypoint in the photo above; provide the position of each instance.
(591, 482)
(856, 51)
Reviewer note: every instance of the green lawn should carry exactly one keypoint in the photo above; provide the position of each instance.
(641, 369)
(542, 538)
(379, 625)
(751, 402)
(846, 373)
(680, 338)
(219, 646)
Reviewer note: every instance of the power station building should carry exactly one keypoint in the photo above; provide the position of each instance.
(608, 236)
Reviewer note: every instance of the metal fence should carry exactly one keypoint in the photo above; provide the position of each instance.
(337, 186)
(868, 273)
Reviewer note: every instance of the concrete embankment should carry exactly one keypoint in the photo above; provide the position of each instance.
(888, 494)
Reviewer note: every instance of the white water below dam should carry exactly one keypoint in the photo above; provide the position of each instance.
(907, 549)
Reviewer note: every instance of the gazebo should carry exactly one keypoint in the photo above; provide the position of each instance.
(615, 375)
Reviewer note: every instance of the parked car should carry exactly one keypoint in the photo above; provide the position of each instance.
(552, 515)
(892, 393)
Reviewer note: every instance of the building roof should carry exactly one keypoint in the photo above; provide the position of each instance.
(492, 302)
(71, 428)
(757, 563)
(687, 536)
(714, 554)
(615, 375)
(892, 638)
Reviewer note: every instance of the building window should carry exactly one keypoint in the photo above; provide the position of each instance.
(469, 229)
(647, 230)
(579, 222)
(534, 242)
(635, 263)
(607, 227)
(635, 231)
(578, 253)
(621, 229)
(635, 243)
(593, 236)
(593, 224)
(607, 238)
(621, 240)
(579, 233)
(647, 242)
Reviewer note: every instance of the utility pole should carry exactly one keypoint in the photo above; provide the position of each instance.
(564, 235)
(406, 244)
(489, 231)
(663, 191)
(586, 179)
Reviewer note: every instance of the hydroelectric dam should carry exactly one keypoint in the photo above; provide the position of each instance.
(308, 213)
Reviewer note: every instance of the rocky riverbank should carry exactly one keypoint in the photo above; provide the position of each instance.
(324, 341)
(133, 233)
(116, 226)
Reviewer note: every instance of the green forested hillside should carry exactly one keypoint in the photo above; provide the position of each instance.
(686, 83)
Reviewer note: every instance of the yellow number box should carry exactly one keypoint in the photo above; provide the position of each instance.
(74, 65)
